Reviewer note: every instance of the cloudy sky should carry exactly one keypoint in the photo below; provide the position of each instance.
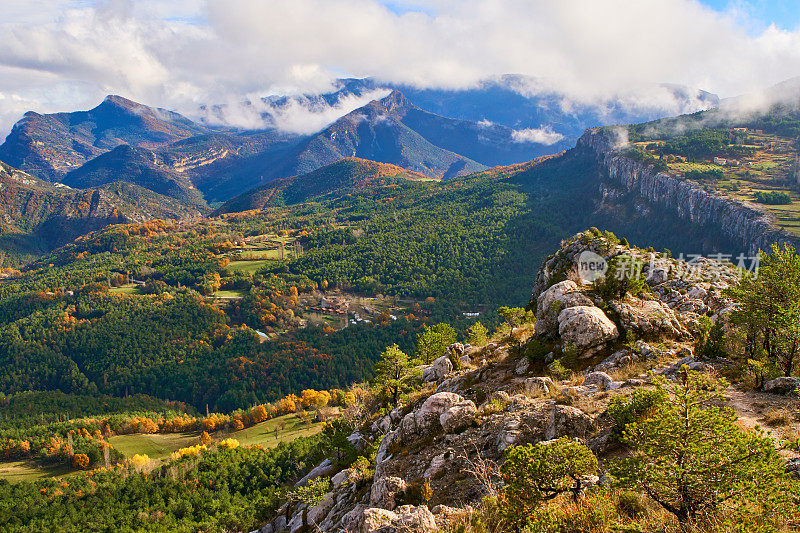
(67, 54)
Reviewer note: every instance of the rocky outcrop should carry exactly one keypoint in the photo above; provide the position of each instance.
(426, 418)
(740, 221)
(568, 421)
(385, 491)
(586, 328)
(551, 302)
(782, 385)
(405, 518)
(458, 417)
(649, 318)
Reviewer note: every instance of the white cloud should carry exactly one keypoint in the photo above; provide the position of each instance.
(181, 54)
(297, 115)
(544, 136)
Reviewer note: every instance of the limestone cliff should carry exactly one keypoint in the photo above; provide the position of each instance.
(741, 221)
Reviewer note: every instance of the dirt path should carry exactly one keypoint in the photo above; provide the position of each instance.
(751, 408)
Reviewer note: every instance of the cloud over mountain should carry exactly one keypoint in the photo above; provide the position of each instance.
(180, 54)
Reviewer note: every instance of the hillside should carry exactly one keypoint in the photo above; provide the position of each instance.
(38, 216)
(49, 146)
(343, 177)
(588, 388)
(139, 166)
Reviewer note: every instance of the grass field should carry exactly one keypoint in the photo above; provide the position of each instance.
(229, 294)
(16, 471)
(155, 446)
(159, 446)
(264, 433)
(131, 288)
(266, 254)
(250, 267)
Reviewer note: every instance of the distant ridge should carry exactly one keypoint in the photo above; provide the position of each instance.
(348, 175)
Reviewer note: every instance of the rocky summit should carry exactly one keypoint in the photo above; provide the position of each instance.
(439, 452)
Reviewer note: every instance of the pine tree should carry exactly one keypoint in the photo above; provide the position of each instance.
(395, 374)
(691, 457)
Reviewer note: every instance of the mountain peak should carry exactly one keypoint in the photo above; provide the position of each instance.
(122, 103)
(395, 103)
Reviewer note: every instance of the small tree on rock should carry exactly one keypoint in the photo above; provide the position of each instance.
(395, 374)
(690, 456)
(536, 473)
(433, 340)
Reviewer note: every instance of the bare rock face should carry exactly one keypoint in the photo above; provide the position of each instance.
(405, 518)
(568, 421)
(374, 519)
(538, 384)
(439, 370)
(600, 380)
(587, 328)
(458, 417)
(551, 302)
(782, 385)
(649, 318)
(617, 359)
(385, 490)
(323, 469)
(426, 418)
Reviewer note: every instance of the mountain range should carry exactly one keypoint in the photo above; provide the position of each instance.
(439, 133)
(150, 162)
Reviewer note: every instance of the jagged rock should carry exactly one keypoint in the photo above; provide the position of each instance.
(439, 370)
(296, 523)
(793, 467)
(382, 425)
(499, 396)
(465, 359)
(554, 300)
(438, 463)
(385, 490)
(452, 384)
(317, 513)
(643, 349)
(279, 524)
(568, 421)
(396, 414)
(537, 385)
(510, 432)
(456, 348)
(406, 518)
(426, 418)
(358, 441)
(382, 454)
(522, 366)
(649, 318)
(586, 328)
(697, 293)
(782, 385)
(600, 380)
(322, 469)
(657, 276)
(374, 520)
(617, 359)
(340, 478)
(458, 416)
